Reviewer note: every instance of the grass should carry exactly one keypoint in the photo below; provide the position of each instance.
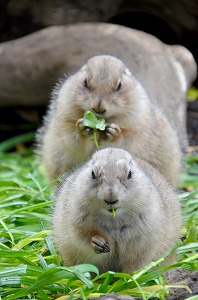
(31, 268)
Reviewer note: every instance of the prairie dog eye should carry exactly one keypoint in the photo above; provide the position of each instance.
(129, 175)
(93, 175)
(86, 84)
(119, 86)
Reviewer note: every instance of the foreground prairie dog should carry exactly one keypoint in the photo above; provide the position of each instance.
(107, 88)
(147, 214)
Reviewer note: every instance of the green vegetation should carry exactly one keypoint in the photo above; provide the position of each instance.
(192, 94)
(90, 120)
(31, 268)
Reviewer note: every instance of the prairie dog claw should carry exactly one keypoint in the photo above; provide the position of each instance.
(83, 129)
(112, 131)
(99, 245)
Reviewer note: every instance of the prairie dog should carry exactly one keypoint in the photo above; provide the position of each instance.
(107, 88)
(147, 214)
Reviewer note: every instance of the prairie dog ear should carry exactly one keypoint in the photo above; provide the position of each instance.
(185, 58)
(83, 68)
(127, 72)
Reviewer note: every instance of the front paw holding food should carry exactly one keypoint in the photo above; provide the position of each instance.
(112, 131)
(83, 129)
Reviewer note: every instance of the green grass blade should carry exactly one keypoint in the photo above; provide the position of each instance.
(20, 139)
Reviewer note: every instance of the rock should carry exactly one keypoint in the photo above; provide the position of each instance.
(31, 65)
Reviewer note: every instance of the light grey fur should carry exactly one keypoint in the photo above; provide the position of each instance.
(135, 122)
(147, 214)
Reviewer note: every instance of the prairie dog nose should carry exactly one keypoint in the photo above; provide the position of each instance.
(110, 196)
(98, 105)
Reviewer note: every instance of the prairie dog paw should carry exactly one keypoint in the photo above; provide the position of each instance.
(83, 129)
(99, 245)
(112, 131)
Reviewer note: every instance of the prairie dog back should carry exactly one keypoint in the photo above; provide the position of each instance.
(147, 214)
(106, 87)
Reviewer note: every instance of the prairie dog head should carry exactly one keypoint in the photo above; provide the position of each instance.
(104, 86)
(115, 181)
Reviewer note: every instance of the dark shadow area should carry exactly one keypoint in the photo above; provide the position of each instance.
(147, 23)
(14, 26)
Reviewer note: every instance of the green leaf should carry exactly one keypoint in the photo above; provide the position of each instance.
(36, 237)
(90, 120)
(101, 124)
(192, 94)
(106, 282)
(84, 268)
(13, 253)
(189, 247)
(192, 298)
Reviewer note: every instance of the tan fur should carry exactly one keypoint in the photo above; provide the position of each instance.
(147, 214)
(135, 123)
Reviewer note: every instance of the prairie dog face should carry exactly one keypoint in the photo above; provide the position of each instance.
(112, 175)
(105, 86)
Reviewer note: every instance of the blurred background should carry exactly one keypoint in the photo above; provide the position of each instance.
(173, 22)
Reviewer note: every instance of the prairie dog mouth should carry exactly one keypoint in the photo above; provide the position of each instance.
(113, 211)
(110, 203)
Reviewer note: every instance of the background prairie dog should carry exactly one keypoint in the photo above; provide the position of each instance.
(106, 87)
(147, 214)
